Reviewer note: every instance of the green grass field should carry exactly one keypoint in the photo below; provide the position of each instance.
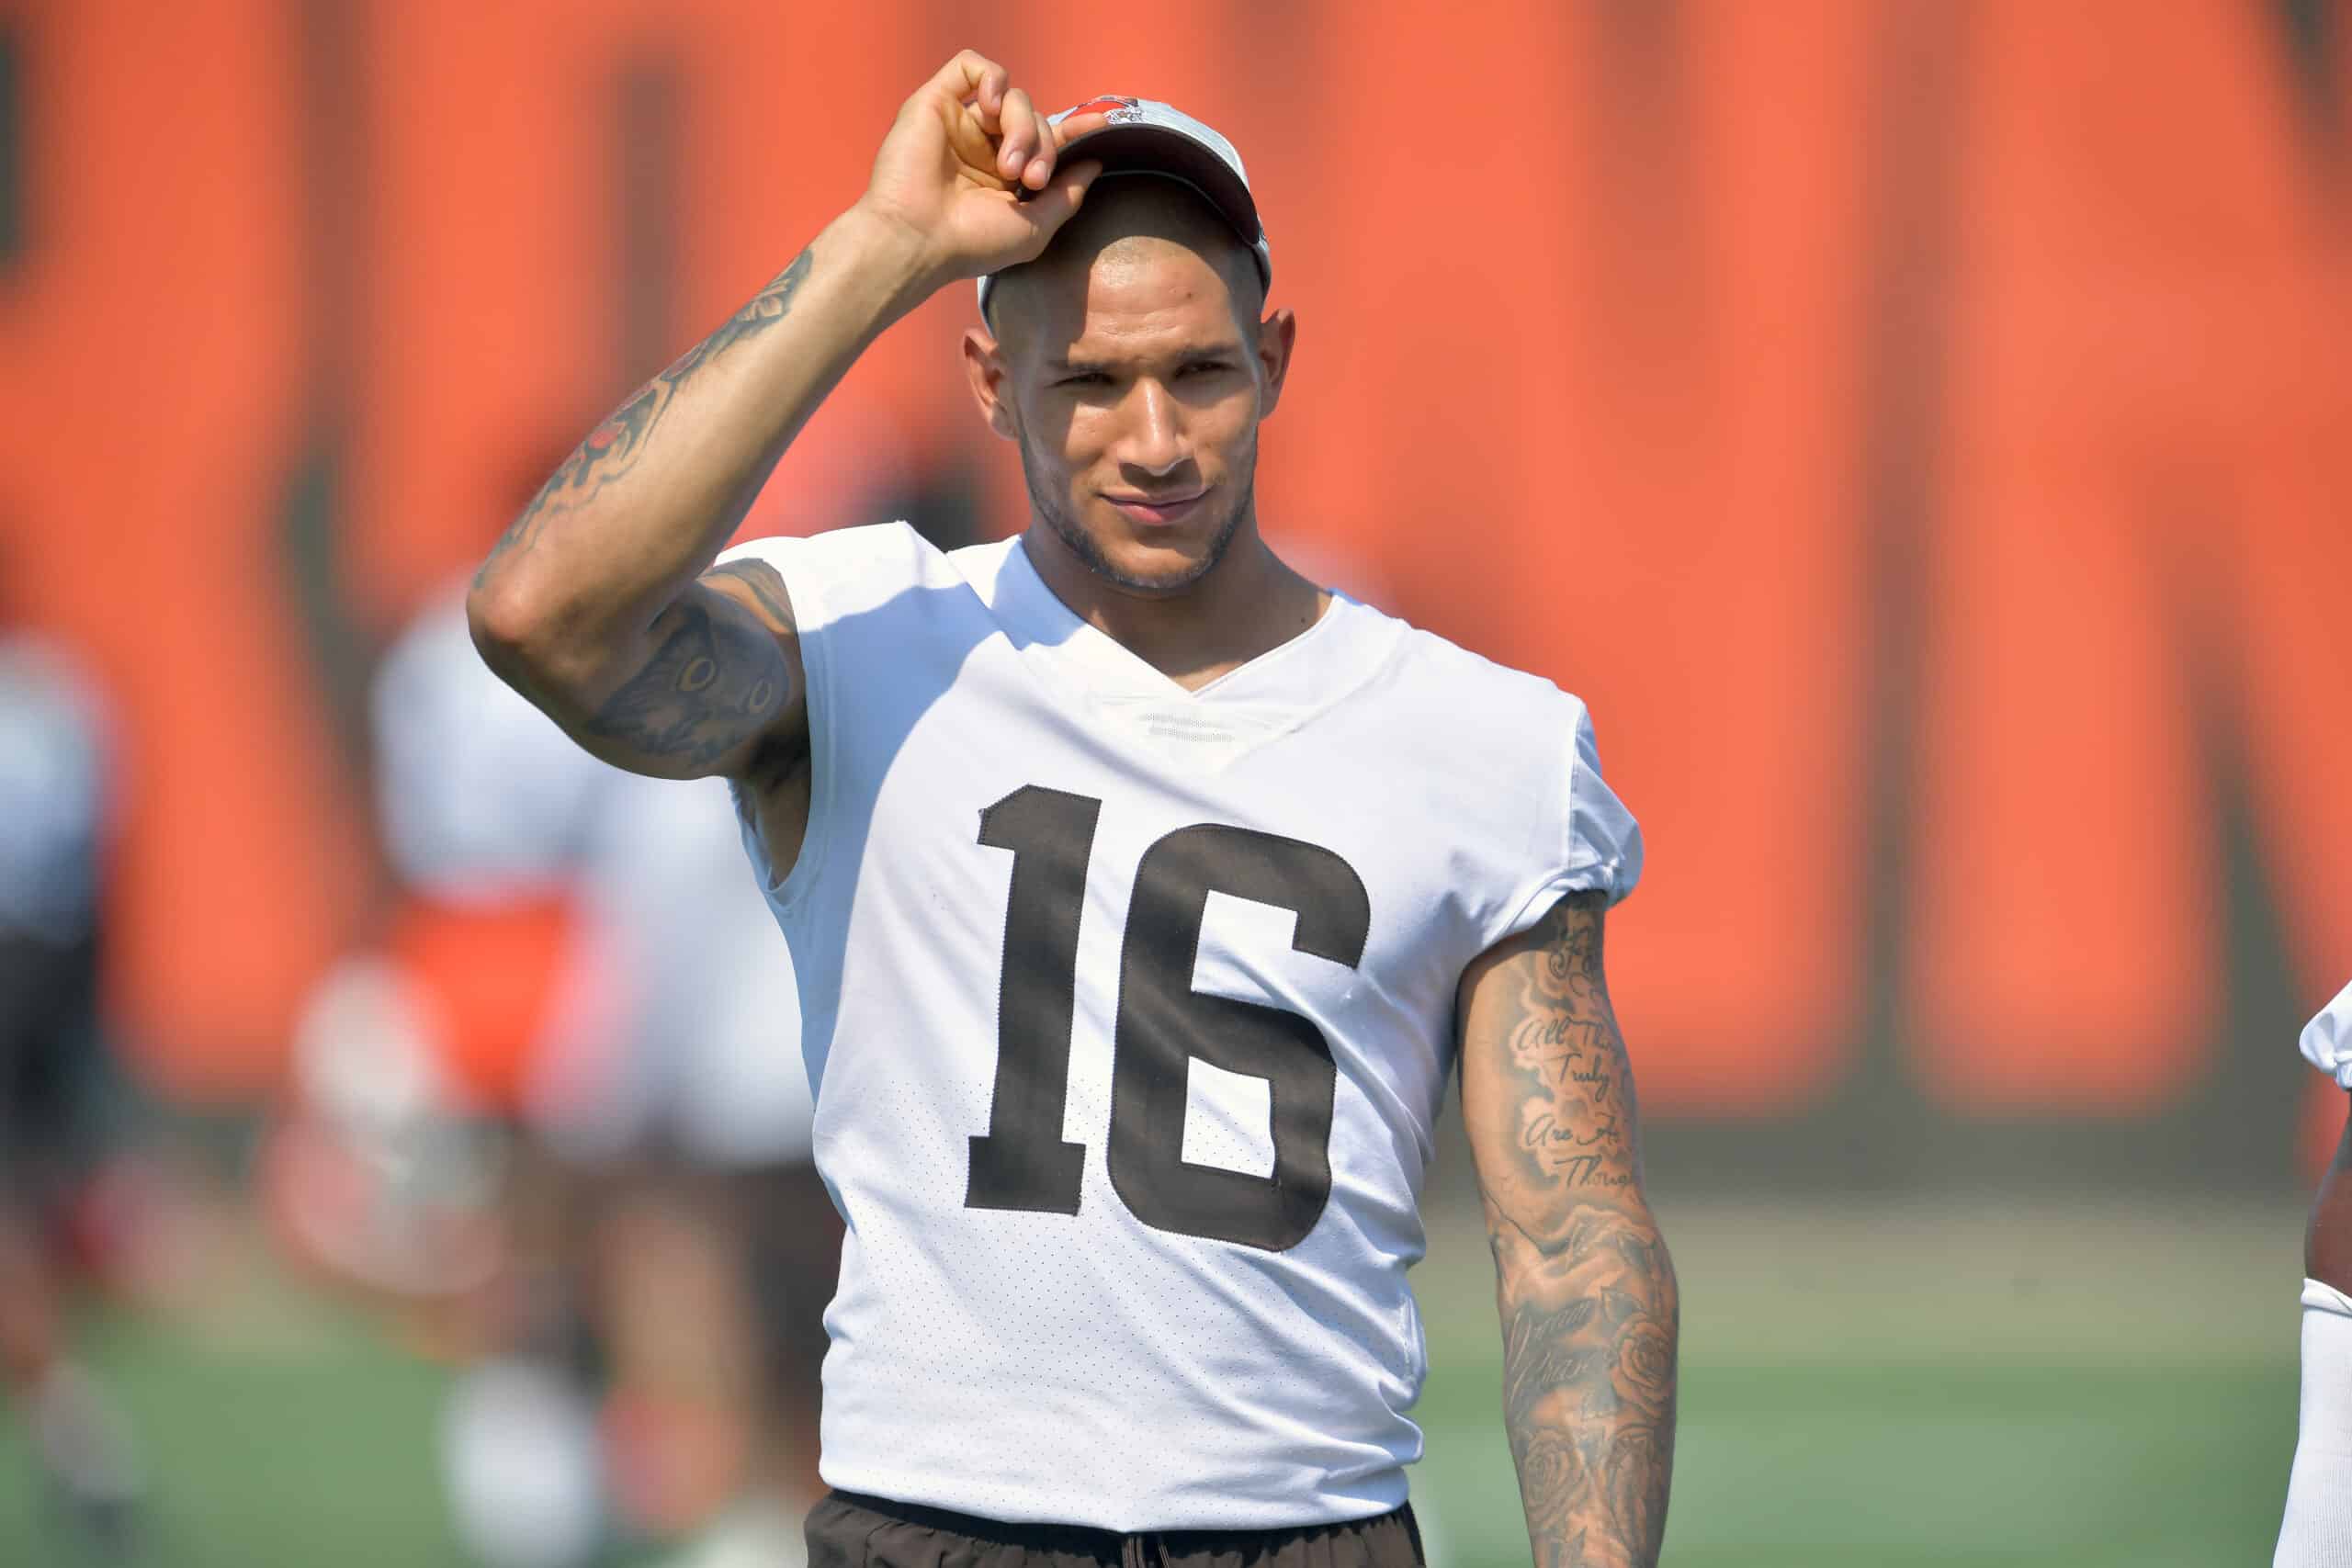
(1890, 1386)
(2063, 1387)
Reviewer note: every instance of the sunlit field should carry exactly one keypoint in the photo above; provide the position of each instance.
(1864, 1384)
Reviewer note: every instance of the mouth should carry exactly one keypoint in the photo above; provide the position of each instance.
(1158, 511)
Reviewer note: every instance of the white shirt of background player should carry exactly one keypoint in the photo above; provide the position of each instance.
(2317, 1531)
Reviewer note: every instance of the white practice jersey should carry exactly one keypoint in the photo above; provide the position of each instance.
(1129, 1012)
(2327, 1039)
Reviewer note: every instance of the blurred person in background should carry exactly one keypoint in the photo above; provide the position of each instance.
(1319, 858)
(637, 1273)
(2317, 1531)
(56, 782)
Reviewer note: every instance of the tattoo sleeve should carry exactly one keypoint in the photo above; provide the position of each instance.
(1584, 1285)
(614, 447)
(600, 603)
(718, 676)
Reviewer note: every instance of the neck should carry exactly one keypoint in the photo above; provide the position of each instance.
(1248, 603)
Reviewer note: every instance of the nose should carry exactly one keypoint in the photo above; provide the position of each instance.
(1155, 437)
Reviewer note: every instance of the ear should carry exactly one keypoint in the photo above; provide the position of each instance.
(1277, 338)
(992, 381)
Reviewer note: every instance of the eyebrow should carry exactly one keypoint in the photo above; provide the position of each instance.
(1081, 365)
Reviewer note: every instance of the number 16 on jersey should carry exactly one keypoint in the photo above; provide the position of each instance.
(1022, 1161)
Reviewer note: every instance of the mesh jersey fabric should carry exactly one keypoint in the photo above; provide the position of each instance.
(1225, 929)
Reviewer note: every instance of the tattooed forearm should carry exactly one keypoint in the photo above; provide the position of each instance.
(1585, 1290)
(1588, 1387)
(715, 680)
(614, 447)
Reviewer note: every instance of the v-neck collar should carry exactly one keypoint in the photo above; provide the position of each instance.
(1209, 729)
(1032, 612)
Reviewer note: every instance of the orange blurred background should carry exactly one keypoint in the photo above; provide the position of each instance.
(1923, 432)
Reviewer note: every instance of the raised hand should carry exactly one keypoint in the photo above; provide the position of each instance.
(971, 169)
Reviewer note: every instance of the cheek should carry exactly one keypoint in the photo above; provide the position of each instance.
(1054, 456)
(1227, 430)
(1086, 435)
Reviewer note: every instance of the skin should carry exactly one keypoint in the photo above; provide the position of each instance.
(1584, 1285)
(1131, 362)
(600, 603)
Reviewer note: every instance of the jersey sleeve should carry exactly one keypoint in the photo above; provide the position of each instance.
(1596, 845)
(2327, 1039)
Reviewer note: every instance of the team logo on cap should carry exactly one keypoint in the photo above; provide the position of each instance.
(1110, 104)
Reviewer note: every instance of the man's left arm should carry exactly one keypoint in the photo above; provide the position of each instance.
(1583, 1283)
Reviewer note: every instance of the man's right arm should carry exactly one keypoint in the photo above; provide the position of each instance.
(598, 604)
(601, 604)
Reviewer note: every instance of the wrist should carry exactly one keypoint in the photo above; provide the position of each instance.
(895, 255)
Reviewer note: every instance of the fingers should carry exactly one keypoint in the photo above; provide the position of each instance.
(1078, 124)
(1059, 202)
(1040, 168)
(973, 74)
(1026, 144)
(1025, 141)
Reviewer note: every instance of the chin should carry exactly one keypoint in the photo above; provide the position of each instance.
(1155, 565)
(1153, 568)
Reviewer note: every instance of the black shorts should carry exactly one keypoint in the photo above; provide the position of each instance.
(51, 1068)
(849, 1530)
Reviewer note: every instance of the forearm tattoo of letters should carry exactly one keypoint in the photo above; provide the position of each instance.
(1586, 1291)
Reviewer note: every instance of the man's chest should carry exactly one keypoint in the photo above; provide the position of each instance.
(1155, 852)
(1227, 979)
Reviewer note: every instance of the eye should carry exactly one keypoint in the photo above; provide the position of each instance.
(1085, 378)
(1204, 366)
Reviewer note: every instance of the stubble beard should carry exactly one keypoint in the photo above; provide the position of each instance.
(1082, 544)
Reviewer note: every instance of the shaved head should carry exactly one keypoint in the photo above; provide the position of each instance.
(1126, 219)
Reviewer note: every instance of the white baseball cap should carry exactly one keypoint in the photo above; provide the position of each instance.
(1145, 137)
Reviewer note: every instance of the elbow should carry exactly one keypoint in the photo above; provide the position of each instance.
(507, 621)
(522, 632)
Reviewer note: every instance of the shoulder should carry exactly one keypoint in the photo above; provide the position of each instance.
(1513, 747)
(844, 569)
(40, 681)
(54, 788)
(1468, 704)
(54, 740)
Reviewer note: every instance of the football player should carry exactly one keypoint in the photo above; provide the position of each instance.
(1142, 893)
(2317, 1532)
(574, 954)
(56, 789)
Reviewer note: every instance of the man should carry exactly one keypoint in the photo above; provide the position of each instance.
(575, 953)
(2317, 1532)
(1141, 894)
(55, 805)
